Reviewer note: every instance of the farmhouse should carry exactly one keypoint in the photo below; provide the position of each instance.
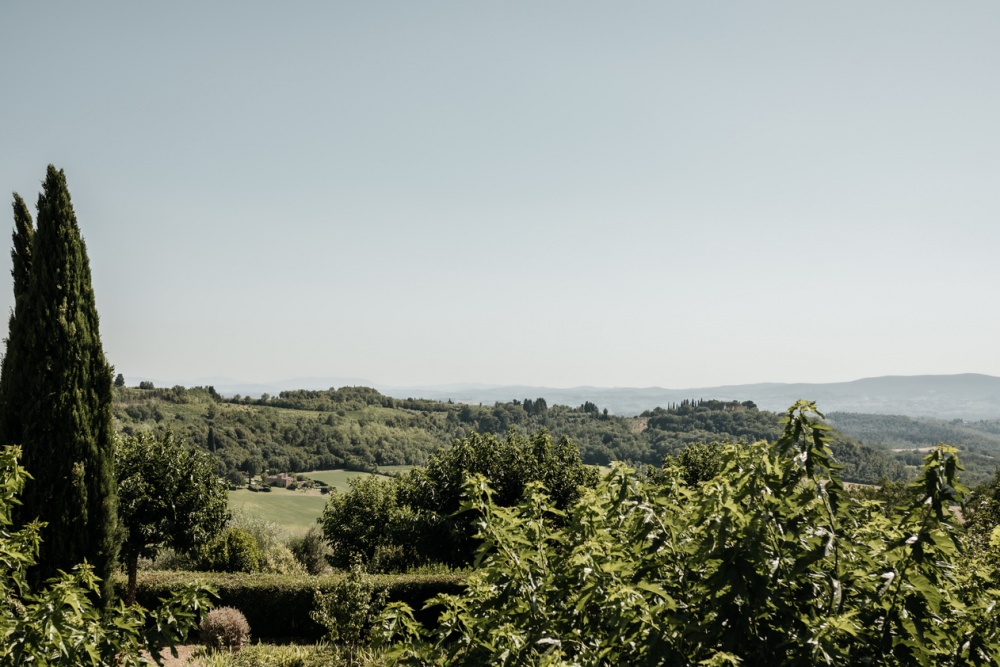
(282, 479)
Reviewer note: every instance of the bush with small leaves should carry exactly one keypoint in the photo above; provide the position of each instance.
(276, 558)
(310, 550)
(233, 550)
(349, 609)
(225, 627)
(279, 559)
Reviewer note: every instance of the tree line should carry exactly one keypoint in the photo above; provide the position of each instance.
(362, 429)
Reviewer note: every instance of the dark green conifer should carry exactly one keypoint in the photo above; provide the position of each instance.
(56, 384)
(20, 255)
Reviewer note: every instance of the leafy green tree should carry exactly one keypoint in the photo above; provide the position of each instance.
(509, 463)
(415, 518)
(168, 495)
(119, 381)
(252, 465)
(982, 515)
(57, 398)
(57, 624)
(362, 525)
(700, 461)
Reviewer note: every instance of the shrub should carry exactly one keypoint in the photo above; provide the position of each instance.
(310, 550)
(348, 609)
(278, 606)
(170, 559)
(270, 537)
(225, 627)
(279, 559)
(233, 550)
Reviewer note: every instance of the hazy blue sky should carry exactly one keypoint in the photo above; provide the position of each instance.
(549, 193)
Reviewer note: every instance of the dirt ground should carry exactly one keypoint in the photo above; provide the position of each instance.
(184, 652)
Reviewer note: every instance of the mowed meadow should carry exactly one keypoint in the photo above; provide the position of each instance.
(296, 511)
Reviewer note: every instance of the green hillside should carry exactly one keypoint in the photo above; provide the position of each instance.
(359, 429)
(978, 441)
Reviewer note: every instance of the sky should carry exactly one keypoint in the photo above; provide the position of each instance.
(673, 194)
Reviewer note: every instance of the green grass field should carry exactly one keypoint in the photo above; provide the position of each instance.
(295, 511)
(391, 470)
(337, 479)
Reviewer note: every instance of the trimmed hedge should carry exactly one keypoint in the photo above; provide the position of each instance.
(277, 606)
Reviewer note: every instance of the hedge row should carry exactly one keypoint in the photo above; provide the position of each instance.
(277, 606)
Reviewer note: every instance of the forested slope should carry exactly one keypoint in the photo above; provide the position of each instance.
(978, 441)
(359, 428)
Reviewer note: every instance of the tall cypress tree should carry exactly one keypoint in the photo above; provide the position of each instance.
(20, 255)
(56, 391)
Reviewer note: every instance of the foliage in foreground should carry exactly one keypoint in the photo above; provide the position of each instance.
(58, 624)
(768, 562)
(278, 606)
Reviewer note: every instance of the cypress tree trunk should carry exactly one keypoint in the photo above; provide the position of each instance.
(56, 387)
(133, 569)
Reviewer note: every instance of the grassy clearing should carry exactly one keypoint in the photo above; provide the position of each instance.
(395, 470)
(295, 511)
(338, 479)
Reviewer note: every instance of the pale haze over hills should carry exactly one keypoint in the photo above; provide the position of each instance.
(969, 396)
(552, 194)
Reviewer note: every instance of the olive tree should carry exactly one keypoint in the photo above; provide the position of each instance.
(169, 494)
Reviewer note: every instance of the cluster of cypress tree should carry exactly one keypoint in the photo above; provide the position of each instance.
(55, 389)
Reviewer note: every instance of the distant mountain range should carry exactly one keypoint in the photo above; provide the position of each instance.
(968, 396)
